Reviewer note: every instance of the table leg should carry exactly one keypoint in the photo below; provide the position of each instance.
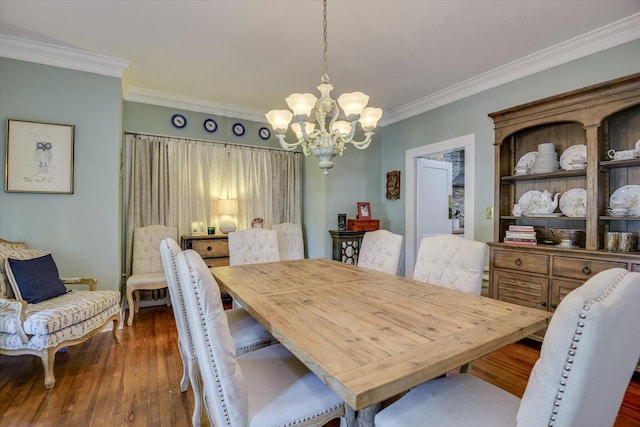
(366, 415)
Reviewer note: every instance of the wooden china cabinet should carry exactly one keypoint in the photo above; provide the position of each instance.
(603, 117)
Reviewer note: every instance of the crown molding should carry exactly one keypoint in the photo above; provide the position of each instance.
(611, 35)
(171, 100)
(61, 56)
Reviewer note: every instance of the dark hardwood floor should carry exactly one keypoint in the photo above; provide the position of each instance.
(136, 383)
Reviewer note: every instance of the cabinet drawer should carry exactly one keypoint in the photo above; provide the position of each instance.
(521, 261)
(522, 289)
(582, 269)
(211, 248)
(560, 289)
(635, 267)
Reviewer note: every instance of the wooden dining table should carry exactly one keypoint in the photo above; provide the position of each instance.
(371, 335)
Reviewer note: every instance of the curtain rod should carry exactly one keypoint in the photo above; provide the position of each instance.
(235, 144)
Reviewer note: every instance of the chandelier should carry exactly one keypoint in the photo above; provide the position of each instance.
(316, 125)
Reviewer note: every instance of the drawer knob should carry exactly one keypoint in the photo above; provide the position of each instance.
(208, 248)
(518, 261)
(586, 269)
(543, 303)
(554, 306)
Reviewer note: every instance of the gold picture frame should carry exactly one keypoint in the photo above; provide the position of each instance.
(39, 157)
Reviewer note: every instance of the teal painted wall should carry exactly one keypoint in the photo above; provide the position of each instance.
(82, 230)
(469, 115)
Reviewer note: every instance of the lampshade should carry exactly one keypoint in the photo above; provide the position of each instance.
(369, 118)
(301, 103)
(279, 119)
(227, 207)
(342, 126)
(353, 103)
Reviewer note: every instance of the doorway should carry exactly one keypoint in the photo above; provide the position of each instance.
(466, 143)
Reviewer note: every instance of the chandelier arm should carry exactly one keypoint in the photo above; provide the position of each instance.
(361, 145)
(286, 145)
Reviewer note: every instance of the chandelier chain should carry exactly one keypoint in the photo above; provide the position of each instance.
(325, 66)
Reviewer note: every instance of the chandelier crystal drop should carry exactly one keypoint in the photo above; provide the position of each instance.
(316, 123)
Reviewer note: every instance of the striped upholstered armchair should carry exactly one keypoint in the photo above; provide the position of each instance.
(39, 316)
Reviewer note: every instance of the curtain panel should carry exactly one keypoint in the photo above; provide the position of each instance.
(175, 181)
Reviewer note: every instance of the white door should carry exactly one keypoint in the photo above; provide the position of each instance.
(433, 199)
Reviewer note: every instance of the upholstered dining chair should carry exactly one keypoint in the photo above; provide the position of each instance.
(266, 387)
(290, 241)
(381, 250)
(451, 261)
(146, 267)
(253, 245)
(587, 358)
(246, 333)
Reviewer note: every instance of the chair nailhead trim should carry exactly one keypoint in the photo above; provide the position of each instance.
(576, 338)
(304, 420)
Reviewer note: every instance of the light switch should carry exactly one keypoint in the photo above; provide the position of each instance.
(489, 213)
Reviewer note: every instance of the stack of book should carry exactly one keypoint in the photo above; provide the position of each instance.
(521, 235)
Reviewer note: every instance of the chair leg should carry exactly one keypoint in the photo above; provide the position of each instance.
(48, 358)
(184, 382)
(136, 304)
(114, 331)
(131, 306)
(194, 377)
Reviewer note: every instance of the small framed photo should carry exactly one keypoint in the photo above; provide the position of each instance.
(364, 210)
(39, 157)
(198, 227)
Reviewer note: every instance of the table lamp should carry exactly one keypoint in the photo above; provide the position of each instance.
(226, 208)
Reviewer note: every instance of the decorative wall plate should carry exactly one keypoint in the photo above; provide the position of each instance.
(264, 133)
(573, 201)
(179, 121)
(238, 129)
(210, 125)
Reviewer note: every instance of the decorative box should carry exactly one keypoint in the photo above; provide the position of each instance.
(363, 224)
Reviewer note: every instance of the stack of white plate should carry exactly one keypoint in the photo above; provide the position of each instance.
(547, 159)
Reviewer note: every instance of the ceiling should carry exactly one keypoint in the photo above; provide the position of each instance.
(244, 57)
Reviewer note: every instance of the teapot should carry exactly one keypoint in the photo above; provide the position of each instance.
(543, 203)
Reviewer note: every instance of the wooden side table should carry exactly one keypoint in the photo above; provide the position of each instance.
(213, 248)
(346, 245)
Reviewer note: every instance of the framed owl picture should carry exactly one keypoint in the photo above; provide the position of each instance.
(39, 157)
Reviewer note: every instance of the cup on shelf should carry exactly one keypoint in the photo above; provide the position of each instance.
(622, 154)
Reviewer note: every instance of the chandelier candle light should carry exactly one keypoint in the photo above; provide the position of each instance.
(327, 139)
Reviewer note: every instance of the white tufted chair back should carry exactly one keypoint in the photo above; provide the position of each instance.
(381, 250)
(588, 355)
(223, 381)
(253, 245)
(451, 261)
(290, 242)
(146, 248)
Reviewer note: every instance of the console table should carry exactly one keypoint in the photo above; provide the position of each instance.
(213, 248)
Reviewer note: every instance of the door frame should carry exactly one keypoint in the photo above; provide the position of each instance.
(466, 143)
